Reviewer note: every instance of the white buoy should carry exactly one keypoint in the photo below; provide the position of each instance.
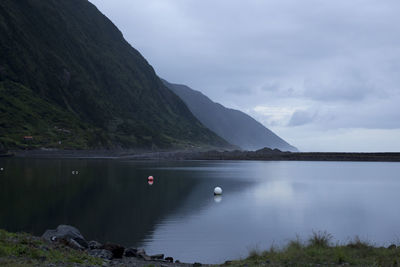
(218, 191)
(1, 169)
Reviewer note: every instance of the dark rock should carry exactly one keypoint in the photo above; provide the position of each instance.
(95, 245)
(141, 251)
(157, 257)
(116, 250)
(170, 259)
(68, 235)
(227, 262)
(392, 246)
(72, 243)
(101, 253)
(131, 252)
(196, 264)
(177, 261)
(144, 256)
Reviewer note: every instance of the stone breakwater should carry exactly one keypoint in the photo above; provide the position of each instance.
(112, 254)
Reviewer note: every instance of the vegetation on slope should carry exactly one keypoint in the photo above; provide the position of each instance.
(72, 69)
(24, 113)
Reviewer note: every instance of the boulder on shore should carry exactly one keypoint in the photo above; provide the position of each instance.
(116, 250)
(68, 235)
(131, 252)
(95, 245)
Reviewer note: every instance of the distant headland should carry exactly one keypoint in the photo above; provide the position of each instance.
(265, 154)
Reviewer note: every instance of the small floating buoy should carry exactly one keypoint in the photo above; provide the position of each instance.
(150, 182)
(150, 178)
(73, 172)
(1, 169)
(218, 191)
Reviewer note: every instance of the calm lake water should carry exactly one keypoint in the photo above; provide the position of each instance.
(263, 204)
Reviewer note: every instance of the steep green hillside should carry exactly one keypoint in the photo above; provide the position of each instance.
(234, 126)
(67, 74)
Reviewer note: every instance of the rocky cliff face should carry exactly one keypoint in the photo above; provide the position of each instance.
(69, 79)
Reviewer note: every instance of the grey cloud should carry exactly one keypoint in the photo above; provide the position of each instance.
(239, 90)
(247, 43)
(342, 88)
(270, 87)
(338, 57)
(277, 90)
(373, 114)
(301, 117)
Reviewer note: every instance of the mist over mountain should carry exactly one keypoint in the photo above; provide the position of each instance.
(69, 79)
(233, 125)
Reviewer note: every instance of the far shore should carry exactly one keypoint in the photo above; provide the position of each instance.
(265, 154)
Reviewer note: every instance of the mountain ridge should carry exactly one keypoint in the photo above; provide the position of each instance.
(235, 126)
(65, 65)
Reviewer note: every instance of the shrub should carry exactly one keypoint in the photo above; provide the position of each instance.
(357, 243)
(320, 239)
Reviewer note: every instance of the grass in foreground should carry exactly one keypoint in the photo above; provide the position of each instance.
(319, 251)
(20, 249)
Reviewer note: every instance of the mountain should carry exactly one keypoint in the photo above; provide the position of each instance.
(234, 126)
(68, 79)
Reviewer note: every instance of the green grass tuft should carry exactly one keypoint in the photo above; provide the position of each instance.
(20, 249)
(359, 244)
(319, 251)
(320, 239)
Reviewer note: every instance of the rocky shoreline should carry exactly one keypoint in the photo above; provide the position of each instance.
(65, 246)
(110, 253)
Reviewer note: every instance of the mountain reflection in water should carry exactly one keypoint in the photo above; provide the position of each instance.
(263, 203)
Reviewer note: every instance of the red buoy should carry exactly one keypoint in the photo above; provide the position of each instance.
(150, 178)
(150, 182)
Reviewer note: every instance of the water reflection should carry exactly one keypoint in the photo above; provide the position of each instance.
(275, 201)
(107, 201)
(217, 198)
(264, 203)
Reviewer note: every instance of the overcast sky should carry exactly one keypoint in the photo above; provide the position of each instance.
(324, 75)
